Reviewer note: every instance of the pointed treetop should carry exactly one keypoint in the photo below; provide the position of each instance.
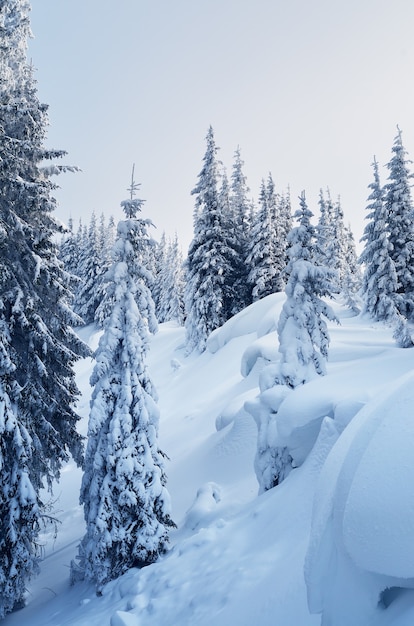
(132, 205)
(134, 186)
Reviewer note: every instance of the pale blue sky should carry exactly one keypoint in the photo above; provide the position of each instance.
(309, 89)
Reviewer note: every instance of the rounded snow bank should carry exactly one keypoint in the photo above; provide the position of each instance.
(362, 536)
(377, 492)
(260, 318)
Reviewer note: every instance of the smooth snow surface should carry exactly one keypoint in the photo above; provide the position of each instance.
(337, 533)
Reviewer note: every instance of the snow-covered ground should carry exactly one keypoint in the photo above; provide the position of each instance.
(336, 537)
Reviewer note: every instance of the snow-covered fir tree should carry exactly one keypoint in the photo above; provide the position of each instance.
(399, 215)
(38, 347)
(324, 231)
(88, 295)
(338, 245)
(19, 507)
(267, 248)
(380, 287)
(352, 276)
(379, 282)
(157, 266)
(285, 219)
(211, 257)
(68, 253)
(126, 504)
(68, 249)
(234, 288)
(171, 281)
(106, 237)
(241, 215)
(302, 331)
(303, 344)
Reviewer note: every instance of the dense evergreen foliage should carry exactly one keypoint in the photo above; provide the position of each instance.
(38, 347)
(209, 293)
(303, 343)
(379, 286)
(399, 215)
(125, 501)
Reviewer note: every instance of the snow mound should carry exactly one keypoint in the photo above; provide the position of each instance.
(259, 318)
(206, 500)
(264, 350)
(361, 543)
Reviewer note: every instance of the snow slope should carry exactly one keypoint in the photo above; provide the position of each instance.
(337, 533)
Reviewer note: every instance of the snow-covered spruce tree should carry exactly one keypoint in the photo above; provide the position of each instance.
(171, 280)
(241, 215)
(338, 244)
(285, 218)
(399, 214)
(126, 504)
(19, 507)
(39, 348)
(379, 282)
(68, 253)
(266, 258)
(211, 257)
(157, 267)
(234, 289)
(302, 331)
(379, 290)
(324, 231)
(68, 249)
(303, 344)
(352, 276)
(106, 238)
(89, 296)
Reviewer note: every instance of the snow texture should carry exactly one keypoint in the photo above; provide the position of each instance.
(344, 516)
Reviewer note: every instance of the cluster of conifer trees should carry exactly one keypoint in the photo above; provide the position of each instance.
(239, 253)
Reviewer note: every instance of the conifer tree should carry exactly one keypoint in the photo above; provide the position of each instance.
(399, 215)
(241, 215)
(211, 257)
(171, 281)
(267, 256)
(303, 334)
(106, 239)
(234, 285)
(324, 231)
(352, 277)
(380, 282)
(68, 252)
(337, 249)
(157, 266)
(68, 249)
(303, 342)
(126, 504)
(285, 218)
(19, 506)
(88, 296)
(38, 346)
